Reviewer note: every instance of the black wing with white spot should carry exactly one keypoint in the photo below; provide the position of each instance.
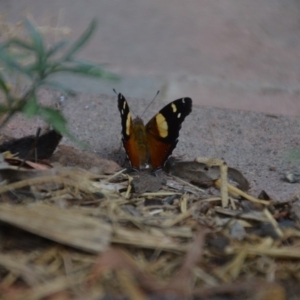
(126, 119)
(166, 124)
(163, 130)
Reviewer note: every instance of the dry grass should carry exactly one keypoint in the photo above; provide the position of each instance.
(71, 234)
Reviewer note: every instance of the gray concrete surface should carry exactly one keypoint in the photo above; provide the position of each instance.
(228, 53)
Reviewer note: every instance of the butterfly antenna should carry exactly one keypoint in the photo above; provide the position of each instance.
(150, 103)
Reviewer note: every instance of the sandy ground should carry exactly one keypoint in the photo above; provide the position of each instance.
(243, 55)
(257, 144)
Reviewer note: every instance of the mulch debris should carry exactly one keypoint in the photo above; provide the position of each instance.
(69, 232)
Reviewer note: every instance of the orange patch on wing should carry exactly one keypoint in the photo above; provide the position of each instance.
(159, 152)
(132, 152)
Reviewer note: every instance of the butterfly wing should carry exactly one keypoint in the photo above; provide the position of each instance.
(163, 130)
(127, 132)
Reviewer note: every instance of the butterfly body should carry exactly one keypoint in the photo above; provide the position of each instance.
(150, 146)
(138, 145)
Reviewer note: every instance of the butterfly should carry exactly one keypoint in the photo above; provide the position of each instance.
(150, 146)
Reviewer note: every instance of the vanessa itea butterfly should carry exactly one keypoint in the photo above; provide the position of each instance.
(151, 145)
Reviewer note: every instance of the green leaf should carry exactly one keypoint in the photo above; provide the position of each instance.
(38, 47)
(55, 48)
(88, 70)
(19, 43)
(3, 109)
(19, 56)
(81, 41)
(55, 118)
(31, 107)
(11, 63)
(294, 155)
(78, 61)
(36, 37)
(3, 86)
(38, 69)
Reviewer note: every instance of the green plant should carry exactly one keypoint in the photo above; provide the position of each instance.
(35, 62)
(293, 155)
